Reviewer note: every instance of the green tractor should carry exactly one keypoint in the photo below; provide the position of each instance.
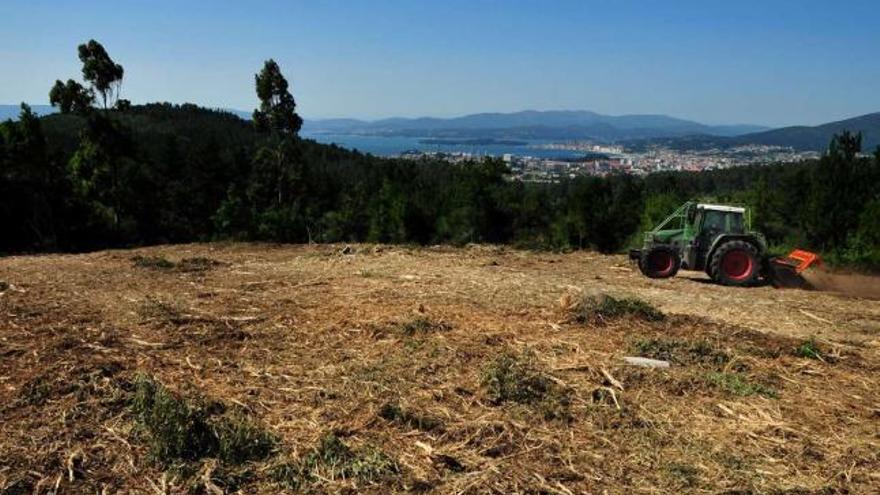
(716, 239)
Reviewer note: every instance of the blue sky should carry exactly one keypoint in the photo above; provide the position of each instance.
(765, 62)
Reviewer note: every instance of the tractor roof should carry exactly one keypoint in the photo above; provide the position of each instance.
(735, 209)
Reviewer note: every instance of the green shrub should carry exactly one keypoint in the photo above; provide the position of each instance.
(185, 430)
(601, 308)
(513, 378)
(177, 430)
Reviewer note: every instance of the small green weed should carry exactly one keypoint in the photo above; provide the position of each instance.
(737, 385)
(682, 352)
(152, 262)
(395, 413)
(35, 392)
(159, 310)
(684, 474)
(239, 440)
(231, 479)
(809, 349)
(197, 264)
(420, 325)
(332, 459)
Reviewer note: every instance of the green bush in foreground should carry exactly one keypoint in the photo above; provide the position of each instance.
(181, 430)
(602, 308)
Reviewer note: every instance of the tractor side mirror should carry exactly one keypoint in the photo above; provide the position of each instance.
(692, 213)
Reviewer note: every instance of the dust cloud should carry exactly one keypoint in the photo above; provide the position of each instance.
(853, 285)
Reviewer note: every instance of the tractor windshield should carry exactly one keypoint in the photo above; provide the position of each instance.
(722, 221)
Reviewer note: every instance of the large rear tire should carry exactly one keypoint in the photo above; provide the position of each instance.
(735, 263)
(660, 262)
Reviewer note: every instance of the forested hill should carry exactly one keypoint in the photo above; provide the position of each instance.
(164, 173)
(817, 137)
(804, 138)
(149, 174)
(155, 123)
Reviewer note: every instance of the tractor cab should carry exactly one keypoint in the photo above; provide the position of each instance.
(709, 222)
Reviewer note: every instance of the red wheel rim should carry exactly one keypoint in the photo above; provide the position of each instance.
(737, 265)
(660, 262)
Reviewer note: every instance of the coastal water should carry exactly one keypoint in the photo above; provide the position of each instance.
(395, 145)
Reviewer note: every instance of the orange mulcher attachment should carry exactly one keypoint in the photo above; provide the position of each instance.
(786, 272)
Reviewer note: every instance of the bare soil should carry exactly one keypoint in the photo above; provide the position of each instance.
(389, 348)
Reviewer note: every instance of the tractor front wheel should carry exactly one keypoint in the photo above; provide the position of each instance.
(735, 263)
(660, 262)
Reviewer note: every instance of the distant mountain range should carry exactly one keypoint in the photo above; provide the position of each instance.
(803, 138)
(530, 124)
(631, 130)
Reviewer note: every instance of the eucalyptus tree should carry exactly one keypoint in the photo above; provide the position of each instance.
(71, 97)
(101, 71)
(277, 112)
(276, 188)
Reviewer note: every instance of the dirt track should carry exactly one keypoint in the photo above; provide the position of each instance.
(304, 339)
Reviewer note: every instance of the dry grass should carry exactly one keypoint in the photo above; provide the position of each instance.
(288, 370)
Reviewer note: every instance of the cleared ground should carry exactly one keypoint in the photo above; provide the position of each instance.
(436, 370)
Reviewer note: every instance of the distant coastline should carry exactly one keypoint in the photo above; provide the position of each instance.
(474, 142)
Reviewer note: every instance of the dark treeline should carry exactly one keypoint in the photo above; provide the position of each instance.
(122, 175)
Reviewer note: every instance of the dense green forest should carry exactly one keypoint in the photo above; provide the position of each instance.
(120, 175)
